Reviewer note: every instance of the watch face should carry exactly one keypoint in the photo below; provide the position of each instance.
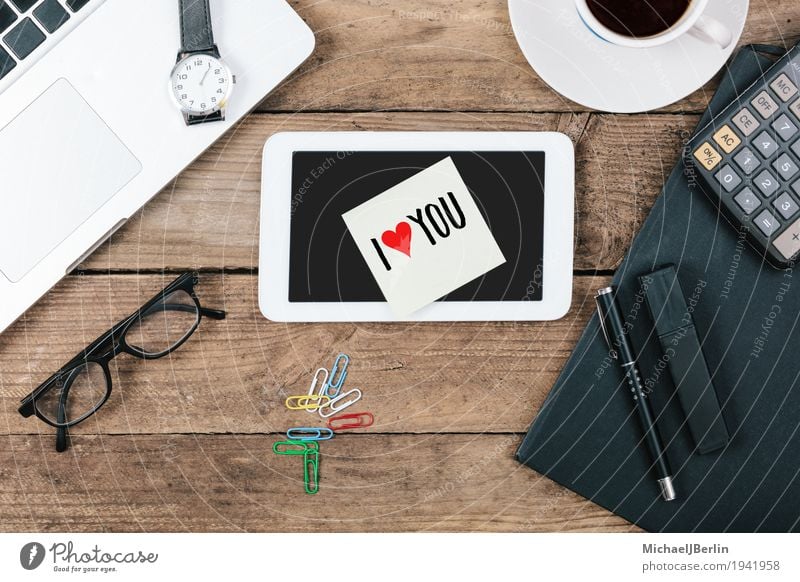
(200, 84)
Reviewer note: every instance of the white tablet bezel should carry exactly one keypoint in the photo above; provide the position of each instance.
(276, 208)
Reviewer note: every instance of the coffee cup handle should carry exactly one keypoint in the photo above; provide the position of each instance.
(712, 30)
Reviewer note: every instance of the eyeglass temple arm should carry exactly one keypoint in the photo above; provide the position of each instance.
(61, 431)
(213, 313)
(102, 343)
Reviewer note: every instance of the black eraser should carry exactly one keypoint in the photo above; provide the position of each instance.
(681, 349)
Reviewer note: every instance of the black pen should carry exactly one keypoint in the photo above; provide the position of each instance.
(613, 326)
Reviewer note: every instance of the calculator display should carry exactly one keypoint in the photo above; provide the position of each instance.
(326, 266)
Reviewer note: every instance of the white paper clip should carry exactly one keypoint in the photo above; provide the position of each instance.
(340, 403)
(318, 387)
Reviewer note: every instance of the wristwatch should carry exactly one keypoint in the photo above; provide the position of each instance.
(200, 83)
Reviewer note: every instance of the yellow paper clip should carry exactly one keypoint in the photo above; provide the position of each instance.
(307, 401)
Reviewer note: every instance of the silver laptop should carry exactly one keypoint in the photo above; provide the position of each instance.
(90, 124)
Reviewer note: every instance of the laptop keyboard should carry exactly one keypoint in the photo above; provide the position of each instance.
(26, 24)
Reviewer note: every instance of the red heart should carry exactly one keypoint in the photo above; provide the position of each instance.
(398, 239)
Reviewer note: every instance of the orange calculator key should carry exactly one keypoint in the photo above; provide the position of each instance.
(708, 156)
(727, 139)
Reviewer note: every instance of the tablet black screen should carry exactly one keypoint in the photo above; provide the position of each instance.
(326, 266)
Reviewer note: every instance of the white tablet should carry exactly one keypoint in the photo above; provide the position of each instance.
(310, 268)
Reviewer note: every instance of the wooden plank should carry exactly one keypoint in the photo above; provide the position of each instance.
(448, 56)
(208, 217)
(235, 483)
(233, 376)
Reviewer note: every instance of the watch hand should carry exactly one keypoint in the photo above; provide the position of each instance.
(208, 70)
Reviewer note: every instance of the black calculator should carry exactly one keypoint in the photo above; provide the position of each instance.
(748, 161)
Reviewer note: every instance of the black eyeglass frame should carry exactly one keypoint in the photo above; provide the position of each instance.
(108, 346)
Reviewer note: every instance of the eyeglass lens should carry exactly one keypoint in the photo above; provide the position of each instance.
(164, 325)
(75, 394)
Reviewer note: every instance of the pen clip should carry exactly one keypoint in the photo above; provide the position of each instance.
(611, 351)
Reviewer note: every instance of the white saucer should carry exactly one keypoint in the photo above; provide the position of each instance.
(594, 73)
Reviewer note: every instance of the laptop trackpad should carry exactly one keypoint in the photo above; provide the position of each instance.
(60, 163)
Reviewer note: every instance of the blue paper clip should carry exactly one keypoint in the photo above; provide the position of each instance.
(309, 433)
(335, 383)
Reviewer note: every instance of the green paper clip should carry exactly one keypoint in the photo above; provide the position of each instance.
(311, 470)
(294, 447)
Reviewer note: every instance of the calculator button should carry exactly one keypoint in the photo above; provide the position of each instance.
(788, 243)
(747, 122)
(747, 161)
(784, 88)
(765, 144)
(767, 183)
(708, 156)
(784, 127)
(767, 223)
(796, 187)
(747, 201)
(786, 205)
(727, 139)
(795, 107)
(786, 167)
(796, 148)
(728, 178)
(765, 105)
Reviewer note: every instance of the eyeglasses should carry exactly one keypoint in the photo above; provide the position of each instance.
(83, 384)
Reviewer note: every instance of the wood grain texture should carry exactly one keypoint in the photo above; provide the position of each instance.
(448, 55)
(184, 442)
(208, 217)
(233, 376)
(235, 483)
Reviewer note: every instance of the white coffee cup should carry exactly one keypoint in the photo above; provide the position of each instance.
(693, 22)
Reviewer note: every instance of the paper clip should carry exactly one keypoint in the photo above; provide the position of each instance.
(339, 403)
(311, 471)
(306, 433)
(318, 387)
(334, 382)
(359, 420)
(307, 401)
(294, 447)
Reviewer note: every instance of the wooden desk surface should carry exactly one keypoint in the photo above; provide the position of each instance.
(184, 443)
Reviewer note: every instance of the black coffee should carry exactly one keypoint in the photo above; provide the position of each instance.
(638, 18)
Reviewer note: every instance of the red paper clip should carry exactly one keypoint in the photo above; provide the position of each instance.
(362, 420)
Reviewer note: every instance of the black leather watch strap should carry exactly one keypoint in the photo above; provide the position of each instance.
(195, 119)
(196, 32)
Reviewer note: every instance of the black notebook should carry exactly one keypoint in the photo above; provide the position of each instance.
(587, 437)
